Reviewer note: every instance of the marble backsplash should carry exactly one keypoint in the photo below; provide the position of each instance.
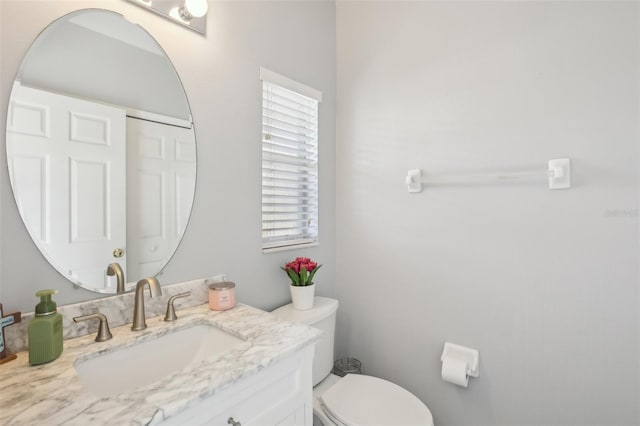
(118, 309)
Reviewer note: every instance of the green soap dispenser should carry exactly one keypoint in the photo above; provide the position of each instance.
(45, 330)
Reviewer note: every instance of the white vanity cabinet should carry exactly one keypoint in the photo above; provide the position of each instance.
(280, 394)
(266, 380)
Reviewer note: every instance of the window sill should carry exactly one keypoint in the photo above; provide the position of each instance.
(291, 247)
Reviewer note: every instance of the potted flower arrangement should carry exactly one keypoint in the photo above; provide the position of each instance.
(301, 272)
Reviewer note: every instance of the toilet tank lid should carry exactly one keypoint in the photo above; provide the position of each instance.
(322, 308)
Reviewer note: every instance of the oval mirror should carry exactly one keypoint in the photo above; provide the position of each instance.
(101, 149)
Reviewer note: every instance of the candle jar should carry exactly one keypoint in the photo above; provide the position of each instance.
(222, 296)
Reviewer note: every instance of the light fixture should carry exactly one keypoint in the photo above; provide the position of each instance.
(189, 13)
(193, 9)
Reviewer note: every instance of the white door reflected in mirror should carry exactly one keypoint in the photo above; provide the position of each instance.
(67, 167)
(161, 178)
(101, 149)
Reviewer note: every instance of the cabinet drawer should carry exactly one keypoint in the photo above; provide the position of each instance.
(276, 395)
(265, 403)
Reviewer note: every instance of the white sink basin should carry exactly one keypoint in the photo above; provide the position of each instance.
(146, 362)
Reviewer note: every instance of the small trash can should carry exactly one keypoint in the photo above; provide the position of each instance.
(344, 366)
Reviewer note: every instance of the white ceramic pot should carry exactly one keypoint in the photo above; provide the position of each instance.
(302, 296)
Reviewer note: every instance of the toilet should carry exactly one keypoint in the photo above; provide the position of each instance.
(355, 399)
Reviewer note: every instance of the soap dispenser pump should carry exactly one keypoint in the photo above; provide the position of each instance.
(45, 330)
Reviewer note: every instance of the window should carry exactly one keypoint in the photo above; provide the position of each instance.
(289, 163)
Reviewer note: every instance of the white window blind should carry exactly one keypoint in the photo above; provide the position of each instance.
(289, 163)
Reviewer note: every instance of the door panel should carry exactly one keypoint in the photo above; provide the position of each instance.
(89, 182)
(68, 166)
(160, 197)
(30, 175)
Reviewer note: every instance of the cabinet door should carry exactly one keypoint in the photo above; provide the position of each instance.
(276, 416)
(293, 419)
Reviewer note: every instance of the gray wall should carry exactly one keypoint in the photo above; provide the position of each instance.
(544, 283)
(65, 61)
(220, 73)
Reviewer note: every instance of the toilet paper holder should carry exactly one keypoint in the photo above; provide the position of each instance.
(470, 356)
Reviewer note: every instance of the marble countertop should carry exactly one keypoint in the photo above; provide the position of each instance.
(53, 394)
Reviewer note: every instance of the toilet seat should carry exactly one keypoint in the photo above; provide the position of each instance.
(360, 400)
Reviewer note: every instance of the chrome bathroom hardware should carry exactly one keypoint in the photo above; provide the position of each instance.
(191, 14)
(171, 311)
(139, 320)
(558, 174)
(104, 333)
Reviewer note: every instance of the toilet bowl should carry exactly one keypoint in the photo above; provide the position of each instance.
(355, 399)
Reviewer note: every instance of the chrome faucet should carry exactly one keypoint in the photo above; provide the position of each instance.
(115, 269)
(139, 322)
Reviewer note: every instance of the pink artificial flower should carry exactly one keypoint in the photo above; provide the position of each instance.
(295, 267)
(309, 266)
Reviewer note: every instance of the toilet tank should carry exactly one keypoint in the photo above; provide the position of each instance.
(322, 316)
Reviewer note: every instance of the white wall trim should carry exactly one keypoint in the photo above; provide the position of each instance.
(288, 83)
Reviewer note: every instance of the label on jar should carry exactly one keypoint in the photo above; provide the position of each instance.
(224, 299)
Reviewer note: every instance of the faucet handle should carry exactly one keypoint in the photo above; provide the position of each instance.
(171, 311)
(104, 333)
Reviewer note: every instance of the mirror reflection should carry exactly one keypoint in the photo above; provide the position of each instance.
(101, 150)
